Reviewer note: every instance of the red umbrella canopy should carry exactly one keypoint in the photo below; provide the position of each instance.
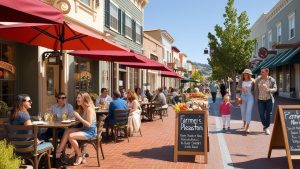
(111, 56)
(148, 64)
(64, 36)
(33, 11)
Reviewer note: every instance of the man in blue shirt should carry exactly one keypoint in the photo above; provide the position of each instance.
(117, 103)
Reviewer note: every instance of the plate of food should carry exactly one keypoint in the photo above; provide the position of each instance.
(66, 121)
(39, 122)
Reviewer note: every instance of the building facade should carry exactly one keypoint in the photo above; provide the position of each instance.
(283, 36)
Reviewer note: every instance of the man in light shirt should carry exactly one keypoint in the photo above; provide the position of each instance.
(104, 97)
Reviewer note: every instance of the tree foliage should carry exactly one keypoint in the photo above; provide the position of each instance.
(230, 47)
(197, 75)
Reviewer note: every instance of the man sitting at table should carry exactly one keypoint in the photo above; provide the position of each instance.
(117, 103)
(103, 97)
(58, 110)
(161, 98)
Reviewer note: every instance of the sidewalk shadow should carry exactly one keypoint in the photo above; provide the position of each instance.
(165, 153)
(264, 163)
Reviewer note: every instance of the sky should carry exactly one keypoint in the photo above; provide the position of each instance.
(189, 21)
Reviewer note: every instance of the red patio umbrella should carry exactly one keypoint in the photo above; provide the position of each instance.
(148, 64)
(64, 36)
(33, 11)
(111, 56)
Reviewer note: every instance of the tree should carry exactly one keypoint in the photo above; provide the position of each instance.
(230, 47)
(197, 75)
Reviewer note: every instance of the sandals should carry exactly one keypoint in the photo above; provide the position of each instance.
(80, 160)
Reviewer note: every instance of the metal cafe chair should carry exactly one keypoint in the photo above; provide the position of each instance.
(121, 118)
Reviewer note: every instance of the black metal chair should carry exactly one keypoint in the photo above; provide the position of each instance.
(121, 118)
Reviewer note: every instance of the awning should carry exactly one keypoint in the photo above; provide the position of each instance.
(289, 56)
(31, 11)
(148, 64)
(170, 73)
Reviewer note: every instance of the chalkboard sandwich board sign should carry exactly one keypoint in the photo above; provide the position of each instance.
(286, 132)
(191, 133)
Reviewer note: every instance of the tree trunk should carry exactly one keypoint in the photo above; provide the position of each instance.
(233, 88)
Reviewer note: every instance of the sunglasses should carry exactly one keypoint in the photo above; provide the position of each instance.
(62, 97)
(27, 101)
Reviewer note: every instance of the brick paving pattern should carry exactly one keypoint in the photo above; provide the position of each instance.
(155, 148)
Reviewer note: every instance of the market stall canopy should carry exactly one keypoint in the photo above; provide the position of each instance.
(147, 64)
(111, 56)
(31, 11)
(186, 79)
(64, 36)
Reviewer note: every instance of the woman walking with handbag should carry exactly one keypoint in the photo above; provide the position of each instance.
(246, 87)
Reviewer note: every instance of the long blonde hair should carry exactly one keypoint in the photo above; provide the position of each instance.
(87, 101)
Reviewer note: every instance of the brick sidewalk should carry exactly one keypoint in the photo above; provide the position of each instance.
(155, 149)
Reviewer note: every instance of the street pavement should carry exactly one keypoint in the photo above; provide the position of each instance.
(228, 149)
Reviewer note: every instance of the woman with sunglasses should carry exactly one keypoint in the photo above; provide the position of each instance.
(87, 117)
(20, 114)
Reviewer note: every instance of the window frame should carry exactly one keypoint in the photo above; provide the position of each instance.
(263, 39)
(130, 23)
(292, 25)
(270, 39)
(279, 32)
(111, 16)
(138, 33)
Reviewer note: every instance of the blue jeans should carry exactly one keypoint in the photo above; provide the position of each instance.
(265, 108)
(213, 95)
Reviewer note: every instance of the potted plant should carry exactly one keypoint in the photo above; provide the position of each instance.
(3, 109)
(8, 158)
(93, 96)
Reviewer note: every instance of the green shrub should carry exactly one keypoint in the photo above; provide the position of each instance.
(8, 158)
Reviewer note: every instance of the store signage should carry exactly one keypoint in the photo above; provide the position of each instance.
(286, 132)
(263, 52)
(191, 137)
(9, 67)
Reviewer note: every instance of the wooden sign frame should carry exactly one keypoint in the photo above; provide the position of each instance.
(279, 138)
(205, 134)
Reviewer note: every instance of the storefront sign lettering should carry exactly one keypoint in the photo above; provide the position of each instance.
(8, 67)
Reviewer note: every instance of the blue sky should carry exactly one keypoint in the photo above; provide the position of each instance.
(189, 21)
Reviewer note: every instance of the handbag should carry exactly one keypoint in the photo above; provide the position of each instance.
(238, 100)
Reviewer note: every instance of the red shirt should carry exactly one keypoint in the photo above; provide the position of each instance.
(225, 108)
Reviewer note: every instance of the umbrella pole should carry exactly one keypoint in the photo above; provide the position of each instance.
(60, 58)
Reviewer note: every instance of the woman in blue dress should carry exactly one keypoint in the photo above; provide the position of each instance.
(87, 116)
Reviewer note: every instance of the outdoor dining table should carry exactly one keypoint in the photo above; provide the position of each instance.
(147, 106)
(54, 126)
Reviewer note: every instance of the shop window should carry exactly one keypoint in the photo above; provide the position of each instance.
(280, 84)
(7, 73)
(83, 76)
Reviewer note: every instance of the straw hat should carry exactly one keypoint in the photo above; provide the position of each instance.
(247, 71)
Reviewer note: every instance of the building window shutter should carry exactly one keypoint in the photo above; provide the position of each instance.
(133, 30)
(142, 35)
(123, 23)
(120, 21)
(107, 13)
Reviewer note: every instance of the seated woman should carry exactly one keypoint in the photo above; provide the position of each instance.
(139, 93)
(134, 119)
(87, 117)
(20, 115)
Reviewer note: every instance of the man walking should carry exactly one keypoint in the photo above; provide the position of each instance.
(265, 86)
(213, 90)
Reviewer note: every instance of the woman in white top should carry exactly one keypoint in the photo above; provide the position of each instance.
(134, 119)
(246, 87)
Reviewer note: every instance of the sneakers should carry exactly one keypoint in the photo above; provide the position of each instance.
(223, 128)
(267, 131)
